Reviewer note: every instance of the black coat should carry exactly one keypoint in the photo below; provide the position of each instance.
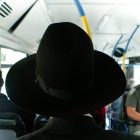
(80, 128)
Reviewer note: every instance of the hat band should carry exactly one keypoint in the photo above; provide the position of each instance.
(64, 94)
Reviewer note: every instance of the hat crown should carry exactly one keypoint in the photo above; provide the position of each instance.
(65, 57)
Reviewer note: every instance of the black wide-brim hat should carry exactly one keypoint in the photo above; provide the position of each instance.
(66, 77)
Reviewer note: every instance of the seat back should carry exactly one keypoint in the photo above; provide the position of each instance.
(27, 117)
(40, 121)
(12, 122)
(7, 134)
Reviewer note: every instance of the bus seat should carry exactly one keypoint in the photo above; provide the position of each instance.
(40, 121)
(27, 117)
(7, 134)
(12, 122)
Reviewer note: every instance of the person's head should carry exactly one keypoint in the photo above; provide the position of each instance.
(66, 77)
(130, 83)
(1, 80)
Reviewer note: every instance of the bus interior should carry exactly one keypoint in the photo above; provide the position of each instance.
(113, 26)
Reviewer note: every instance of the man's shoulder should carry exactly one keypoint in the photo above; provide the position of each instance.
(137, 86)
(134, 90)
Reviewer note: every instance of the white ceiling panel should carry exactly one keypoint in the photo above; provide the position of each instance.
(95, 1)
(108, 20)
(18, 7)
(9, 40)
(34, 25)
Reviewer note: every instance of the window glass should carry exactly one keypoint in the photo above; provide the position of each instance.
(8, 58)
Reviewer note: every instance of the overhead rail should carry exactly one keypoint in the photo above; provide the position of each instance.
(127, 45)
(118, 41)
(128, 42)
(83, 17)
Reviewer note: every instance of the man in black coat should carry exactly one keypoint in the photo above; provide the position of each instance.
(67, 79)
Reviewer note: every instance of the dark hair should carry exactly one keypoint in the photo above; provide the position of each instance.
(1, 79)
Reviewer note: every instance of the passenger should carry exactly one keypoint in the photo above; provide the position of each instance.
(116, 108)
(130, 85)
(119, 114)
(67, 79)
(99, 116)
(7, 106)
(133, 109)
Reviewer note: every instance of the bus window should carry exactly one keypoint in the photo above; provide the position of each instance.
(8, 58)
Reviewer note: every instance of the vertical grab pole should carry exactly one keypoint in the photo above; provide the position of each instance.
(83, 17)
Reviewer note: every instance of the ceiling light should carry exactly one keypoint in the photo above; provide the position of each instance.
(102, 22)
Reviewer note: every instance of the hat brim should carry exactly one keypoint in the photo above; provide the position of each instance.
(22, 89)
